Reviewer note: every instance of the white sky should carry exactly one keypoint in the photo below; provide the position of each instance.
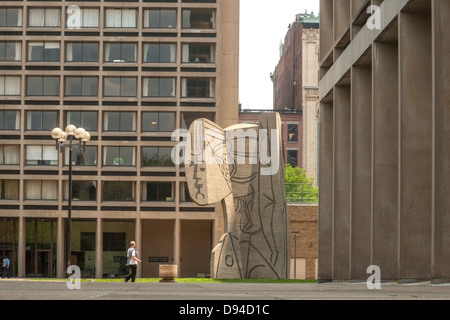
(263, 25)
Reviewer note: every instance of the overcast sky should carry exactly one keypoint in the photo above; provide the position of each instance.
(263, 25)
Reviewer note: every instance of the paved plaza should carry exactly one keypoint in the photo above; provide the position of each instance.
(25, 289)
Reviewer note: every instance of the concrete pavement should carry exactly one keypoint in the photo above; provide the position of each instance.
(26, 289)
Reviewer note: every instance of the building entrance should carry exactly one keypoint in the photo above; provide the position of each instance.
(40, 248)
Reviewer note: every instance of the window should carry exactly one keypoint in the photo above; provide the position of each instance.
(292, 157)
(9, 120)
(119, 156)
(157, 157)
(187, 118)
(120, 52)
(121, 18)
(41, 190)
(10, 51)
(42, 86)
(44, 17)
(81, 86)
(9, 86)
(198, 53)
(157, 191)
(158, 121)
(120, 87)
(9, 154)
(119, 121)
(198, 19)
(160, 18)
(83, 119)
(197, 87)
(80, 158)
(158, 87)
(9, 189)
(42, 120)
(42, 155)
(159, 52)
(292, 132)
(88, 18)
(82, 51)
(10, 17)
(81, 190)
(118, 191)
(43, 51)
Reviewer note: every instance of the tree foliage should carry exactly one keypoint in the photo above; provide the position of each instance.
(298, 187)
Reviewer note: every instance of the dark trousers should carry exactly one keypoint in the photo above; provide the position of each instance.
(6, 272)
(132, 274)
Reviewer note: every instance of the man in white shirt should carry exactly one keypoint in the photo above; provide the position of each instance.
(132, 262)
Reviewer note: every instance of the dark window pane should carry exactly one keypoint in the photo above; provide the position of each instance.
(128, 87)
(168, 19)
(73, 86)
(74, 52)
(10, 120)
(166, 121)
(51, 86)
(90, 52)
(150, 121)
(34, 86)
(112, 87)
(112, 121)
(292, 132)
(34, 120)
(127, 121)
(89, 86)
(49, 120)
(128, 52)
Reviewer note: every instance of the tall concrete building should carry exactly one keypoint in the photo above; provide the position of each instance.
(384, 139)
(129, 72)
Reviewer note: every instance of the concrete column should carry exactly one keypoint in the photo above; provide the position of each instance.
(361, 169)
(61, 264)
(441, 83)
(21, 248)
(177, 245)
(341, 201)
(99, 249)
(385, 159)
(139, 244)
(325, 191)
(326, 28)
(415, 145)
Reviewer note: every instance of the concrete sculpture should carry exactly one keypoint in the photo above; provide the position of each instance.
(242, 167)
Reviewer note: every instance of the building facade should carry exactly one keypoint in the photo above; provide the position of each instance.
(384, 140)
(295, 84)
(291, 122)
(130, 73)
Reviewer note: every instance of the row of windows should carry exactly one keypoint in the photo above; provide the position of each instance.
(87, 190)
(114, 18)
(113, 52)
(113, 156)
(152, 121)
(192, 87)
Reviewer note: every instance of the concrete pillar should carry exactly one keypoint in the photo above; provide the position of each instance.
(177, 245)
(385, 159)
(61, 264)
(139, 244)
(325, 191)
(99, 249)
(21, 248)
(415, 182)
(361, 169)
(341, 201)
(441, 83)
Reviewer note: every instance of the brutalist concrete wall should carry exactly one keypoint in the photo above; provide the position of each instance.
(384, 165)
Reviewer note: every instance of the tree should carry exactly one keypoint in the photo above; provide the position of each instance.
(298, 187)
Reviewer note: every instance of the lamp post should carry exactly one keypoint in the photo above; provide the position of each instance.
(71, 132)
(295, 233)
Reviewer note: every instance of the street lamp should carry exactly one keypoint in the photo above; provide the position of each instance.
(70, 133)
(295, 233)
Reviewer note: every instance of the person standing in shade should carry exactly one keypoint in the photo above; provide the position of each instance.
(5, 266)
(132, 262)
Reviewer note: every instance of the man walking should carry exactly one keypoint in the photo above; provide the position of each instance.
(132, 262)
(5, 266)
